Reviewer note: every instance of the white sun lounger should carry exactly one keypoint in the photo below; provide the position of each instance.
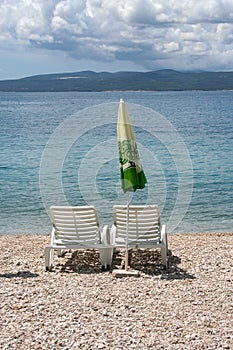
(77, 228)
(143, 229)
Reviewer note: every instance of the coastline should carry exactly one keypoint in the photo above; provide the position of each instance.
(77, 306)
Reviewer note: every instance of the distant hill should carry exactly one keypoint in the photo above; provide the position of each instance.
(88, 81)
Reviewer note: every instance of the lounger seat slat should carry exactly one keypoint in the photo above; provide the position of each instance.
(72, 242)
(138, 226)
(72, 220)
(69, 235)
(77, 228)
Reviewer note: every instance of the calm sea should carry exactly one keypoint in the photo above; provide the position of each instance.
(61, 148)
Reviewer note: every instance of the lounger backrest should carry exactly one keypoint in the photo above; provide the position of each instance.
(75, 223)
(144, 222)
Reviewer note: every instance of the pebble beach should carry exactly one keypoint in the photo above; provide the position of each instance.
(78, 306)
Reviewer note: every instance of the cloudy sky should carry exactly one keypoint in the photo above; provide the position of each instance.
(47, 36)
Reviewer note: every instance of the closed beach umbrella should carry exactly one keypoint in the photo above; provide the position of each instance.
(131, 173)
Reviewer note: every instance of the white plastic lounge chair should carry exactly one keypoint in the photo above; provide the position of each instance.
(77, 228)
(143, 229)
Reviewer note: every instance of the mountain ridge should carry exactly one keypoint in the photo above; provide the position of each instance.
(90, 81)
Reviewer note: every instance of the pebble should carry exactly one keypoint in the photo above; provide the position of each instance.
(77, 306)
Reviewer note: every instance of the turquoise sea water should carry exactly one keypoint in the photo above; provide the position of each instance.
(61, 148)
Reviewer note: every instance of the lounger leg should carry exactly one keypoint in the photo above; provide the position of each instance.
(49, 253)
(106, 253)
(164, 257)
(106, 257)
(164, 238)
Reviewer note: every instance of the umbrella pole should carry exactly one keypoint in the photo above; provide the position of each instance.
(127, 235)
(126, 272)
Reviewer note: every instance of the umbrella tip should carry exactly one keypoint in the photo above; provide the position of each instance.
(121, 100)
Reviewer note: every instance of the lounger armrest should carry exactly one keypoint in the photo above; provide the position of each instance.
(52, 236)
(164, 237)
(105, 235)
(113, 234)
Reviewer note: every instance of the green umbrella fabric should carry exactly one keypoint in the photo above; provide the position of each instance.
(131, 173)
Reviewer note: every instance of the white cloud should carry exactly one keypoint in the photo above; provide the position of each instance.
(151, 33)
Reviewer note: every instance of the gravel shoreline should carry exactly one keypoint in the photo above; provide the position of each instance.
(77, 306)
